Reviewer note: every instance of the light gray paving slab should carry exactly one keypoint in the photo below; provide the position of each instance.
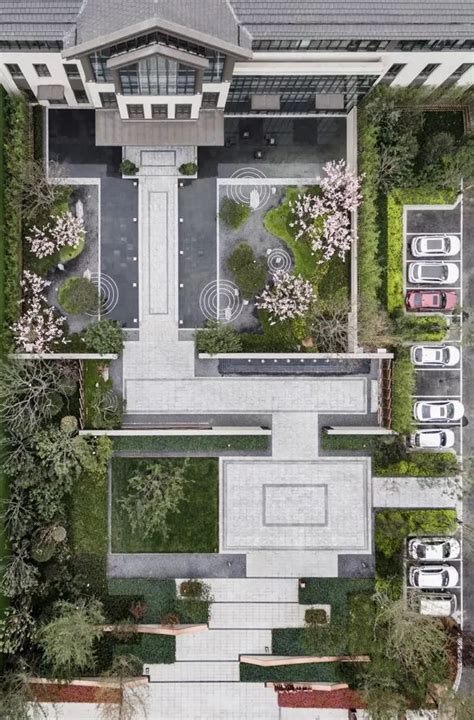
(246, 395)
(295, 436)
(198, 671)
(213, 701)
(251, 589)
(291, 564)
(413, 493)
(223, 644)
(290, 505)
(259, 615)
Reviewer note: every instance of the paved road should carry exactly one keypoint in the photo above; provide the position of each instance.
(468, 433)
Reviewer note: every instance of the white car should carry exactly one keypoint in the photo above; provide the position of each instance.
(434, 548)
(433, 577)
(438, 355)
(435, 245)
(444, 411)
(433, 439)
(433, 272)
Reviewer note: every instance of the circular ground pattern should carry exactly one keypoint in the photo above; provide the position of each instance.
(255, 196)
(279, 259)
(108, 291)
(220, 301)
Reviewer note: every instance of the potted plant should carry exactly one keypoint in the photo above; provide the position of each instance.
(127, 167)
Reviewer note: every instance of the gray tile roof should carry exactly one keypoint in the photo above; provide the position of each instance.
(214, 17)
(358, 19)
(38, 19)
(110, 129)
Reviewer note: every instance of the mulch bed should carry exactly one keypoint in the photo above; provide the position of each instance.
(321, 699)
(59, 693)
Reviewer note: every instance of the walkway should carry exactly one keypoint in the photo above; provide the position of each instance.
(164, 565)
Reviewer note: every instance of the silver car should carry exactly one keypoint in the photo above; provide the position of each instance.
(435, 272)
(435, 245)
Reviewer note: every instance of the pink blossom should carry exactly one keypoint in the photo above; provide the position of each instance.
(66, 230)
(40, 328)
(289, 296)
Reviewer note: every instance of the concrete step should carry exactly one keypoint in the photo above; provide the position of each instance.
(222, 644)
(195, 672)
(258, 615)
(292, 563)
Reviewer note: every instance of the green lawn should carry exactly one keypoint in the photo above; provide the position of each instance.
(219, 444)
(312, 672)
(195, 528)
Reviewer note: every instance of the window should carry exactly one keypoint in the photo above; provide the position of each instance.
(42, 70)
(210, 100)
(81, 96)
(183, 112)
(108, 99)
(459, 72)
(72, 71)
(14, 70)
(159, 112)
(425, 73)
(392, 73)
(215, 69)
(136, 111)
(35, 45)
(158, 75)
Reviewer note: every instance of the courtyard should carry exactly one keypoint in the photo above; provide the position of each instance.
(262, 161)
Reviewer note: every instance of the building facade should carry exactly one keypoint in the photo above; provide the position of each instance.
(151, 61)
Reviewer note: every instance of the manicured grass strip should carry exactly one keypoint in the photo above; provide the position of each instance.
(332, 591)
(403, 388)
(360, 443)
(195, 528)
(315, 672)
(396, 200)
(193, 444)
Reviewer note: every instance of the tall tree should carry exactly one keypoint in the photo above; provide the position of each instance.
(155, 491)
(68, 640)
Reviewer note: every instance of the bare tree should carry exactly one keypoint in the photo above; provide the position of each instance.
(37, 188)
(415, 641)
(330, 328)
(452, 705)
(132, 704)
(17, 700)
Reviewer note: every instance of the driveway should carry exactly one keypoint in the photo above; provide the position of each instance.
(468, 398)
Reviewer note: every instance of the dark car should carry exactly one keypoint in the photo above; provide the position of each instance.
(426, 300)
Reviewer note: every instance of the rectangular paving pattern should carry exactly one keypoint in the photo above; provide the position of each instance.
(292, 564)
(195, 672)
(336, 514)
(158, 252)
(246, 395)
(222, 644)
(257, 615)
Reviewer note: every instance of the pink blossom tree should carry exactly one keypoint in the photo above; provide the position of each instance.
(324, 220)
(287, 297)
(66, 230)
(39, 328)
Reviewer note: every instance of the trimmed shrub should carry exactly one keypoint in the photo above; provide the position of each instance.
(127, 167)
(215, 337)
(403, 386)
(189, 168)
(316, 616)
(233, 214)
(78, 295)
(422, 464)
(104, 336)
(249, 273)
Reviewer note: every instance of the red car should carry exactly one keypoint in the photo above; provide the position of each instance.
(425, 300)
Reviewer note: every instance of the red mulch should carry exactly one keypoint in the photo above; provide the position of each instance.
(59, 693)
(321, 699)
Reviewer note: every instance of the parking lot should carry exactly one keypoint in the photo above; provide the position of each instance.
(434, 382)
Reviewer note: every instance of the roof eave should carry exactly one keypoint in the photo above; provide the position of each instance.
(180, 30)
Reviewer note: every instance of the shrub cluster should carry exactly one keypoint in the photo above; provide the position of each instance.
(403, 386)
(233, 214)
(249, 273)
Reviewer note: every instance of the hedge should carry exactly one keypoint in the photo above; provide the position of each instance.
(17, 148)
(312, 672)
(194, 445)
(403, 386)
(396, 200)
(369, 269)
(422, 464)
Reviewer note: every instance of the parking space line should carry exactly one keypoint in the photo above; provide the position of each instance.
(434, 369)
(426, 234)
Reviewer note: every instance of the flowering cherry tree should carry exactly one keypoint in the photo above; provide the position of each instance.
(325, 219)
(40, 328)
(289, 296)
(66, 230)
